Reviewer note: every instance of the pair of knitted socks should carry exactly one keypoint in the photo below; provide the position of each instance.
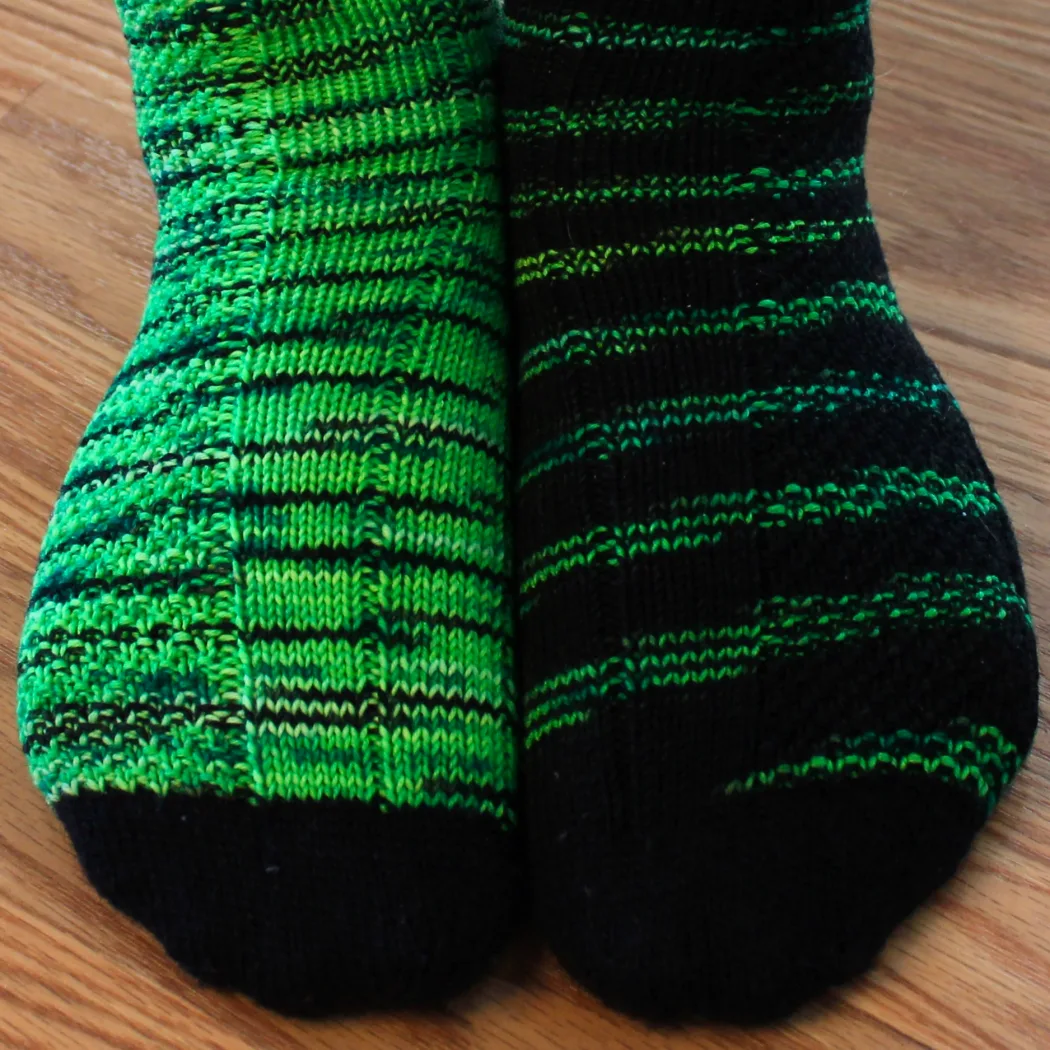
(775, 657)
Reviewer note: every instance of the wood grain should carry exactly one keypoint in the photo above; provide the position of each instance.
(959, 162)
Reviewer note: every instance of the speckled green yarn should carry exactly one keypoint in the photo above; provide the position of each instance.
(978, 759)
(278, 566)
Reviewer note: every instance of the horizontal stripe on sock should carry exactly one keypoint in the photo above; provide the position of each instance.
(678, 188)
(628, 118)
(780, 627)
(649, 424)
(579, 29)
(745, 239)
(702, 519)
(632, 335)
(976, 758)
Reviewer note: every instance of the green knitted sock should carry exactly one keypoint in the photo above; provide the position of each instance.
(266, 672)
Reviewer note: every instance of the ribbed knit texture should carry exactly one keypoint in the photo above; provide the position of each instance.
(777, 661)
(278, 569)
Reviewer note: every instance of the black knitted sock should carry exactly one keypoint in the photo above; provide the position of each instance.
(776, 652)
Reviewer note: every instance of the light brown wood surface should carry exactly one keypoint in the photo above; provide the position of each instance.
(960, 170)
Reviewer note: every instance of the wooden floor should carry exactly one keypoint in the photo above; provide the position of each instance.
(960, 166)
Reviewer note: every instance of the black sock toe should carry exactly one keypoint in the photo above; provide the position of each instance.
(308, 907)
(764, 902)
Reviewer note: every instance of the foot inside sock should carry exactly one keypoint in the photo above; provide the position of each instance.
(776, 655)
(266, 671)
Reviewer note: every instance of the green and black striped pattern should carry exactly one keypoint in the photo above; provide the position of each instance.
(278, 567)
(739, 471)
(777, 662)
